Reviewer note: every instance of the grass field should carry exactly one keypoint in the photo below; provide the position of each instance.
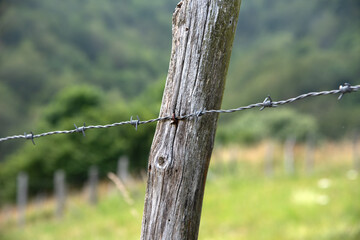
(239, 203)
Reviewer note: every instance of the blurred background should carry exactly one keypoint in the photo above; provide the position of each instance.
(98, 62)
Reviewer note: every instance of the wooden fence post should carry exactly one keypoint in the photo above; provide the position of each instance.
(309, 155)
(22, 191)
(123, 168)
(356, 157)
(203, 32)
(60, 192)
(93, 182)
(5, 215)
(289, 161)
(269, 160)
(39, 201)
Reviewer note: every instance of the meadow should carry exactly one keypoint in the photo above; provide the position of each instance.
(240, 202)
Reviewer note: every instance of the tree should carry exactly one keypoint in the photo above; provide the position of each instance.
(203, 32)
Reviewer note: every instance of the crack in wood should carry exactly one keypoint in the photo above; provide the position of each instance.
(199, 51)
(180, 153)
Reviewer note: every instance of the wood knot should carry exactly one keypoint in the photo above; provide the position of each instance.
(161, 161)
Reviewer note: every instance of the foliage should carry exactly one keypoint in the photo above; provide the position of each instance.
(74, 153)
(282, 48)
(47, 46)
(70, 61)
(280, 123)
(286, 48)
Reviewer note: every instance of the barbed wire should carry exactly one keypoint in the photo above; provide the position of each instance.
(267, 103)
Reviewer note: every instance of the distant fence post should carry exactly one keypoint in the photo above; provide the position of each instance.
(269, 160)
(22, 191)
(93, 182)
(309, 155)
(289, 161)
(123, 168)
(233, 160)
(60, 192)
(6, 214)
(39, 201)
(356, 157)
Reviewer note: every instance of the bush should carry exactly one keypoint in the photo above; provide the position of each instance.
(74, 153)
(253, 126)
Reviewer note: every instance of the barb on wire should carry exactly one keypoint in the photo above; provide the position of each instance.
(268, 102)
(135, 123)
(344, 89)
(80, 129)
(199, 113)
(29, 136)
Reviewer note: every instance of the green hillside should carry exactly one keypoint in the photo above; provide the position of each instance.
(76, 61)
(286, 48)
(47, 45)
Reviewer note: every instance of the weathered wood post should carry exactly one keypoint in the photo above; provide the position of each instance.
(356, 157)
(93, 185)
(21, 197)
(203, 33)
(289, 159)
(309, 155)
(39, 201)
(269, 159)
(123, 168)
(60, 193)
(5, 215)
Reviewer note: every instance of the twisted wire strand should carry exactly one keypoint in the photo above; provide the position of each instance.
(266, 103)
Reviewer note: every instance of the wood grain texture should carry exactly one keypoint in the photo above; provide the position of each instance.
(203, 32)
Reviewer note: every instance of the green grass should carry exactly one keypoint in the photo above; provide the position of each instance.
(254, 207)
(239, 203)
